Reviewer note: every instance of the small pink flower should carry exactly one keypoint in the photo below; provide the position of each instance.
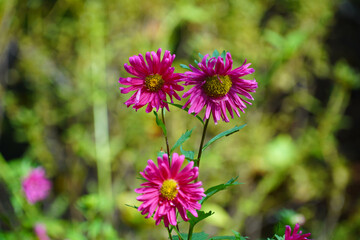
(295, 235)
(36, 186)
(218, 87)
(151, 81)
(167, 189)
(40, 231)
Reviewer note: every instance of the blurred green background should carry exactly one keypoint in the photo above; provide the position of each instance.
(61, 108)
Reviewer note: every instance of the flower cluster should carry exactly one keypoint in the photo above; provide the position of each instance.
(217, 89)
(216, 86)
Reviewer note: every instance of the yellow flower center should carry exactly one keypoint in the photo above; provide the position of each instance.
(217, 86)
(169, 189)
(154, 82)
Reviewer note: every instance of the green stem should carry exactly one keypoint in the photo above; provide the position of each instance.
(197, 163)
(169, 231)
(166, 138)
(178, 233)
(191, 229)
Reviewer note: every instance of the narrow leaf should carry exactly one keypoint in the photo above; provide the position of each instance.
(223, 134)
(201, 56)
(188, 154)
(223, 55)
(160, 124)
(182, 139)
(211, 191)
(196, 62)
(132, 206)
(215, 53)
(186, 109)
(185, 67)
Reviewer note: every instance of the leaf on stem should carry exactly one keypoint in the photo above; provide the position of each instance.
(189, 155)
(223, 55)
(211, 191)
(160, 124)
(195, 236)
(215, 53)
(132, 206)
(201, 216)
(186, 109)
(185, 67)
(182, 139)
(223, 134)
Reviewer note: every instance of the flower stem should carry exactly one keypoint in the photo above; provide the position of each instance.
(169, 231)
(197, 163)
(166, 138)
(191, 229)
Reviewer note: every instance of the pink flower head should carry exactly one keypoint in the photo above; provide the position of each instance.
(36, 186)
(151, 81)
(295, 235)
(40, 231)
(167, 189)
(218, 87)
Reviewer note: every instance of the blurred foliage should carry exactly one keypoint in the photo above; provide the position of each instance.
(60, 107)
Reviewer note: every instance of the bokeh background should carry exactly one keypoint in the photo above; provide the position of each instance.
(61, 108)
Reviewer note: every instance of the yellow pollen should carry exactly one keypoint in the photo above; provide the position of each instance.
(154, 82)
(169, 189)
(213, 87)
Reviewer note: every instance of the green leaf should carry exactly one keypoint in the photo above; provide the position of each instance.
(188, 154)
(185, 67)
(223, 134)
(132, 206)
(223, 55)
(211, 191)
(201, 216)
(201, 56)
(160, 124)
(215, 53)
(225, 237)
(182, 139)
(186, 109)
(195, 236)
(196, 62)
(160, 154)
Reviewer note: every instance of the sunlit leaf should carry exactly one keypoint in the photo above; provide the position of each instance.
(223, 134)
(211, 191)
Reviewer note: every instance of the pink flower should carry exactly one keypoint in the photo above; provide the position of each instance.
(295, 235)
(167, 189)
(36, 186)
(40, 231)
(152, 81)
(218, 88)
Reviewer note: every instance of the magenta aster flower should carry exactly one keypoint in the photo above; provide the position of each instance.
(295, 235)
(218, 87)
(36, 186)
(152, 81)
(40, 231)
(167, 189)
